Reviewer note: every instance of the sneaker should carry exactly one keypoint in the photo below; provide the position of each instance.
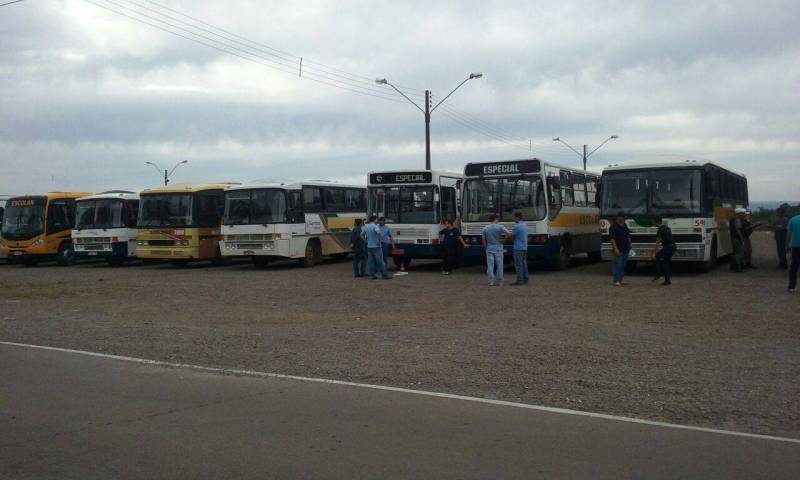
(657, 278)
(617, 284)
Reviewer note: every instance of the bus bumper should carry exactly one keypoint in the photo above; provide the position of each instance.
(421, 251)
(114, 250)
(168, 253)
(535, 250)
(688, 252)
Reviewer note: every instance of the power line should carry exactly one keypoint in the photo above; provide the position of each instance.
(237, 51)
(9, 3)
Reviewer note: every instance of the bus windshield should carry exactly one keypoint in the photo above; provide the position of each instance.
(249, 207)
(660, 191)
(166, 210)
(504, 196)
(103, 213)
(24, 218)
(405, 204)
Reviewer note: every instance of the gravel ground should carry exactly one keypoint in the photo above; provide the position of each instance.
(718, 349)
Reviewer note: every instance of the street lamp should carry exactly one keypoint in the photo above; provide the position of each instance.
(167, 173)
(584, 155)
(428, 110)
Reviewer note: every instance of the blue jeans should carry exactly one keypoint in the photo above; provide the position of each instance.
(494, 261)
(387, 251)
(376, 262)
(359, 263)
(618, 267)
(521, 265)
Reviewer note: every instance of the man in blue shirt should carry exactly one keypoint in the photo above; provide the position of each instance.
(520, 235)
(493, 236)
(793, 240)
(372, 232)
(387, 239)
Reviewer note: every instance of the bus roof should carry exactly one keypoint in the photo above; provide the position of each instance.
(121, 194)
(50, 195)
(647, 164)
(190, 187)
(294, 185)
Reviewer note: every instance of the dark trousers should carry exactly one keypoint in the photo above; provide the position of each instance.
(793, 268)
(780, 243)
(737, 258)
(664, 262)
(359, 263)
(450, 258)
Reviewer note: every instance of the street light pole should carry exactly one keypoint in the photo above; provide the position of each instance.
(167, 173)
(585, 155)
(428, 110)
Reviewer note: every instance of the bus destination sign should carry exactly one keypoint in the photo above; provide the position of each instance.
(513, 167)
(385, 178)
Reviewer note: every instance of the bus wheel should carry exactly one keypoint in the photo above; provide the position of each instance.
(66, 254)
(596, 256)
(562, 258)
(182, 262)
(260, 262)
(313, 254)
(707, 266)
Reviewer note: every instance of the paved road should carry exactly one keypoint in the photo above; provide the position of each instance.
(66, 415)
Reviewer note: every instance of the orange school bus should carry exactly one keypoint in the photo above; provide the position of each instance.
(181, 223)
(39, 227)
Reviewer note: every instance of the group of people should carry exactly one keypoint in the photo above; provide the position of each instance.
(371, 245)
(741, 229)
(620, 238)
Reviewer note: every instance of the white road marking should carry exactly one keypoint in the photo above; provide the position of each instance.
(253, 373)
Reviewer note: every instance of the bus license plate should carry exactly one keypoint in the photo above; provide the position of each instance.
(18, 253)
(92, 253)
(645, 253)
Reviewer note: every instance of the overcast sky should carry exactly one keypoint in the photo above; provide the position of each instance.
(88, 96)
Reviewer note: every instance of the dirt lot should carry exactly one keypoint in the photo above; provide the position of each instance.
(719, 349)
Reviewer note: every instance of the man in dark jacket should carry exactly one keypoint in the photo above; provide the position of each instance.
(737, 239)
(780, 225)
(358, 247)
(665, 249)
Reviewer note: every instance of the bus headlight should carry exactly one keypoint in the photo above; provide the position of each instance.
(183, 243)
(37, 242)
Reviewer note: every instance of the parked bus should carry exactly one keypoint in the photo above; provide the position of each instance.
(105, 226)
(415, 204)
(39, 227)
(695, 198)
(181, 223)
(558, 204)
(3, 198)
(304, 221)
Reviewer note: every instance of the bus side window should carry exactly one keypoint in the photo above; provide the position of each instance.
(58, 216)
(334, 199)
(210, 209)
(448, 199)
(554, 195)
(355, 200)
(579, 189)
(312, 199)
(591, 191)
(566, 189)
(295, 207)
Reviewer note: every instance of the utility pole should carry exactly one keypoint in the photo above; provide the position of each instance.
(428, 110)
(427, 129)
(585, 156)
(167, 173)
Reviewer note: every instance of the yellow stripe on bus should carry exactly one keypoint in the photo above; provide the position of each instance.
(565, 219)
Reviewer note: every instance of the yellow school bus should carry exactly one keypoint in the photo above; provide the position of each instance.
(181, 222)
(39, 227)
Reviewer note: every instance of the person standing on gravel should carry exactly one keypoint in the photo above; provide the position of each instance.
(780, 225)
(387, 239)
(747, 231)
(493, 236)
(793, 241)
(359, 249)
(520, 235)
(737, 239)
(620, 237)
(375, 262)
(665, 249)
(452, 242)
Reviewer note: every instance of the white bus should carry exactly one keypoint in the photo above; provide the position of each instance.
(304, 221)
(696, 198)
(558, 204)
(415, 204)
(105, 226)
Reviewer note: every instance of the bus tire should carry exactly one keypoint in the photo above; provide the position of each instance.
(709, 265)
(595, 256)
(66, 254)
(180, 262)
(313, 254)
(562, 257)
(260, 261)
